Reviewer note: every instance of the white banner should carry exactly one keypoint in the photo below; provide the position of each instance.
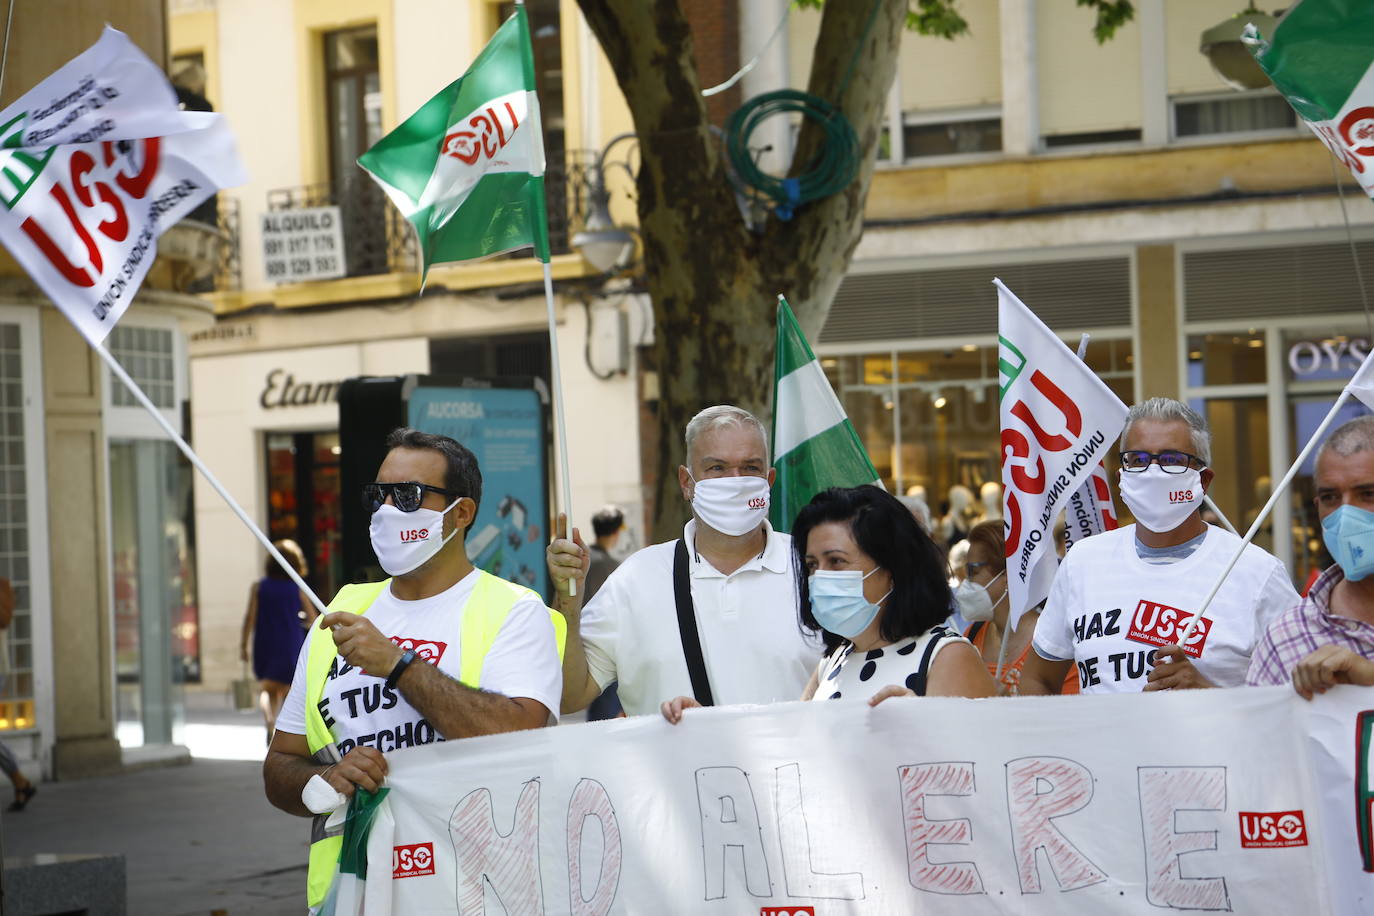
(1195, 800)
(1058, 421)
(95, 162)
(1090, 510)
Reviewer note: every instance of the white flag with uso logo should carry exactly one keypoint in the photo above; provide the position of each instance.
(96, 161)
(1058, 421)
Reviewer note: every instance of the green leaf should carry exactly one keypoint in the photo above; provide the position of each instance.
(1111, 15)
(936, 17)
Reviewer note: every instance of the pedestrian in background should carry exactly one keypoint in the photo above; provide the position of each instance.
(607, 525)
(278, 616)
(982, 600)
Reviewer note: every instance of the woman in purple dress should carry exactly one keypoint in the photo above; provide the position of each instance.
(278, 617)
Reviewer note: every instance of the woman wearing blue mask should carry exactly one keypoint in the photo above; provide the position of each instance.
(873, 583)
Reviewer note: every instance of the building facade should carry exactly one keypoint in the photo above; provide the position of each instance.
(1193, 232)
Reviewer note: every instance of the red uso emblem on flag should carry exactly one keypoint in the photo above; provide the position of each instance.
(1357, 129)
(1272, 830)
(1157, 624)
(429, 650)
(491, 132)
(412, 861)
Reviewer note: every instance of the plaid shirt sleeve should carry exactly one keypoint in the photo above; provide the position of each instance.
(1266, 667)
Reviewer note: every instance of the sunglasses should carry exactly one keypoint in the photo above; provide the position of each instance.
(1170, 462)
(405, 496)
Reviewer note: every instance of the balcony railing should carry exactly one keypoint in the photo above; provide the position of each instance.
(376, 238)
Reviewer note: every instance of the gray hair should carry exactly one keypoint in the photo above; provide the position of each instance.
(1168, 410)
(1352, 436)
(720, 416)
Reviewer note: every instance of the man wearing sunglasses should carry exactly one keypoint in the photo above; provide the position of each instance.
(1121, 600)
(437, 652)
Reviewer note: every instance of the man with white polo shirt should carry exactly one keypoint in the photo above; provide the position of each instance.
(712, 614)
(1121, 599)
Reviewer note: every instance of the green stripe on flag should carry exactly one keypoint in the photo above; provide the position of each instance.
(1319, 52)
(835, 458)
(499, 215)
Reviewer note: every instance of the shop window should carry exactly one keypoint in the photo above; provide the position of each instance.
(1240, 455)
(303, 502)
(147, 355)
(1226, 359)
(1231, 114)
(157, 626)
(16, 666)
(929, 418)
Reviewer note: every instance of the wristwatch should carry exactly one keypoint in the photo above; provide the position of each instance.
(407, 657)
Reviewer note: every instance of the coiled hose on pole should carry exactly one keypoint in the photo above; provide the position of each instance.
(833, 167)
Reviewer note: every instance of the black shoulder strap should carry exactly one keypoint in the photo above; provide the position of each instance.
(923, 672)
(975, 629)
(687, 627)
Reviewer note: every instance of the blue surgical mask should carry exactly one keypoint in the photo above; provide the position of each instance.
(838, 602)
(1349, 536)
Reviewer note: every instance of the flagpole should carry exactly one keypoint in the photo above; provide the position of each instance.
(1225, 522)
(559, 418)
(1264, 513)
(191, 456)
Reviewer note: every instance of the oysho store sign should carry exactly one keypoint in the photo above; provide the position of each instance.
(1323, 358)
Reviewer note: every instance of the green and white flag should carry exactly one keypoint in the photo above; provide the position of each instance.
(1321, 57)
(814, 444)
(467, 169)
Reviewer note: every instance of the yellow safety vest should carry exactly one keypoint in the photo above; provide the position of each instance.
(482, 617)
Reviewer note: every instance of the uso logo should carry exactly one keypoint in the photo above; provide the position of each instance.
(412, 861)
(1273, 830)
(1180, 496)
(1157, 624)
(414, 534)
(429, 650)
(787, 911)
(758, 502)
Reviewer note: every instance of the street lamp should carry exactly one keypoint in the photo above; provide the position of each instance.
(1230, 60)
(603, 244)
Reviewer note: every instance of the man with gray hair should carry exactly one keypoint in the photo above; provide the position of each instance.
(1314, 642)
(711, 615)
(1121, 599)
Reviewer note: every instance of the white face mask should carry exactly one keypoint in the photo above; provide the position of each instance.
(974, 602)
(403, 541)
(1161, 501)
(731, 505)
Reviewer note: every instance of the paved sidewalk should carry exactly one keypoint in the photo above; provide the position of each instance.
(197, 838)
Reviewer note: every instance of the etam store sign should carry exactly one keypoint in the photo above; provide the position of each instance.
(1327, 358)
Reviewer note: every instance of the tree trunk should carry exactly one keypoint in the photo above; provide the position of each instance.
(713, 282)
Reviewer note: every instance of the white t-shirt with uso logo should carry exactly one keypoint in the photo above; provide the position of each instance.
(1108, 609)
(361, 710)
